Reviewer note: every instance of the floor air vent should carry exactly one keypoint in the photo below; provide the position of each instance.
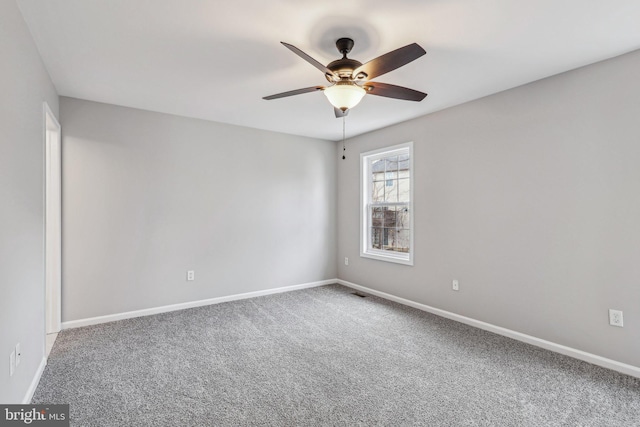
(358, 294)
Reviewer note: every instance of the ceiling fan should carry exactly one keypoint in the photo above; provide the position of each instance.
(350, 79)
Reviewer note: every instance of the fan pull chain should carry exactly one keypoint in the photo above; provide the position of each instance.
(343, 134)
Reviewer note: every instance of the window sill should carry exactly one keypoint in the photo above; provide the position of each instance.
(398, 259)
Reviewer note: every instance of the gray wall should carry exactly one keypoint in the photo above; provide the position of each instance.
(530, 198)
(24, 86)
(148, 196)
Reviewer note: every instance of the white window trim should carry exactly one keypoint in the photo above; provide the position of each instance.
(365, 189)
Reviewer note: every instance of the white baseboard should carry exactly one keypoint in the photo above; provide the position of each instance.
(173, 307)
(614, 365)
(34, 382)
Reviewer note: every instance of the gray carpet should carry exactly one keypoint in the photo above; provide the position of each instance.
(322, 356)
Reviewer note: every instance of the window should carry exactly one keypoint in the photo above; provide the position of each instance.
(386, 195)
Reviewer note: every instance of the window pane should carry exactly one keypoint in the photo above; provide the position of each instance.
(377, 216)
(391, 191)
(377, 168)
(402, 241)
(378, 191)
(404, 192)
(390, 217)
(376, 238)
(402, 218)
(391, 163)
(389, 177)
(403, 166)
(390, 239)
(403, 162)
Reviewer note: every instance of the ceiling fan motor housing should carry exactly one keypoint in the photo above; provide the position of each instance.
(344, 67)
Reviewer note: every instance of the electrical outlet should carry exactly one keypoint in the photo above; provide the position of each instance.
(18, 354)
(346, 261)
(191, 275)
(615, 318)
(455, 286)
(12, 363)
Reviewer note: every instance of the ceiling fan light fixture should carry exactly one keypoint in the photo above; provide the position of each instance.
(344, 95)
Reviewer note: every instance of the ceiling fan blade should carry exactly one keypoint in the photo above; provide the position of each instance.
(393, 91)
(340, 113)
(389, 62)
(294, 92)
(311, 61)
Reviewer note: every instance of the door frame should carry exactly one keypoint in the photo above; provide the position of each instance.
(52, 221)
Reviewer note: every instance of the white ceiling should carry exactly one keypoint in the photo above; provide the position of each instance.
(215, 60)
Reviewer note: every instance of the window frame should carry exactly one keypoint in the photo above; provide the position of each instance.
(366, 161)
